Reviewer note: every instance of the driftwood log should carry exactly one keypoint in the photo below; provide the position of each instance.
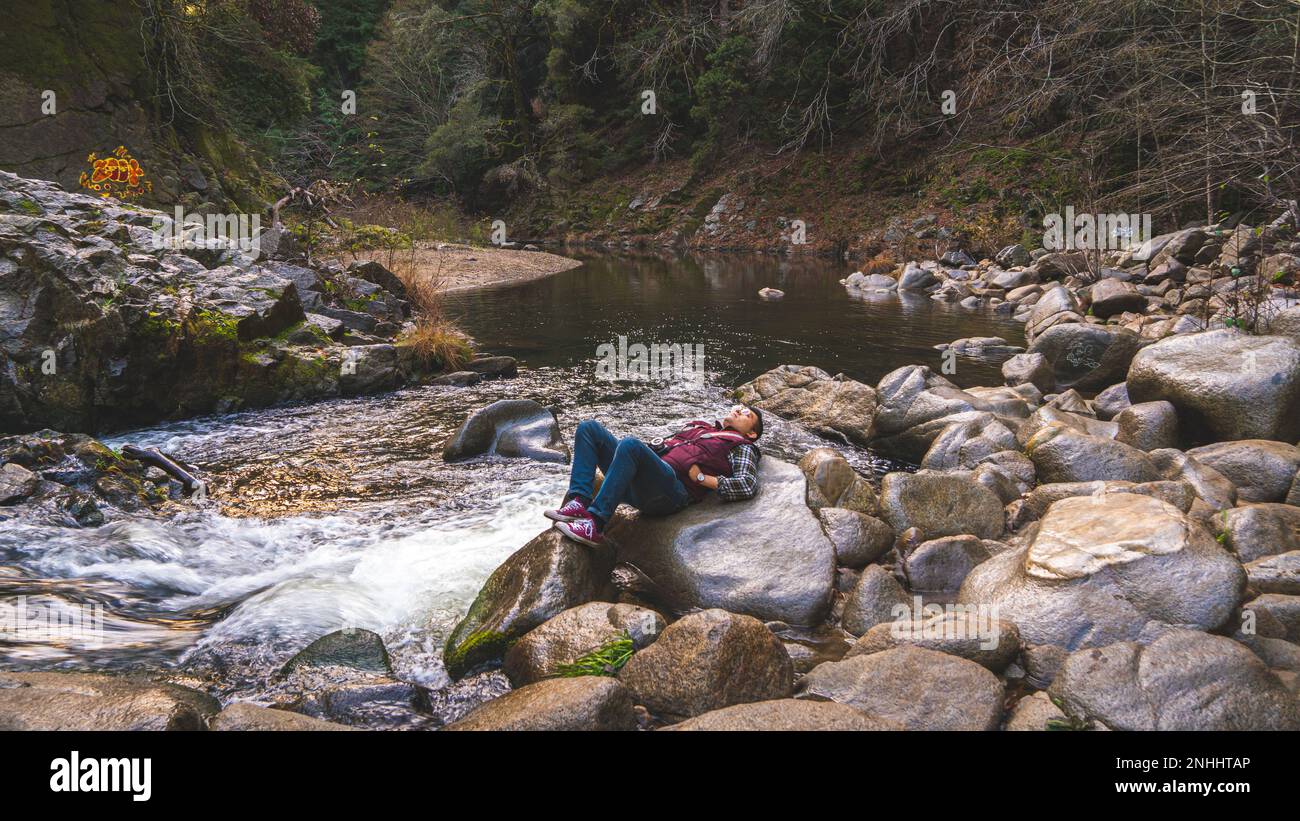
(171, 466)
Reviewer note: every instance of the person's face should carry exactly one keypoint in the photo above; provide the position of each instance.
(742, 420)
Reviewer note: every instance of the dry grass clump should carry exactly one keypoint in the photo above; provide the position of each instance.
(435, 339)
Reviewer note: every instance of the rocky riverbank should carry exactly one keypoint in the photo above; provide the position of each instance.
(1110, 540)
(100, 329)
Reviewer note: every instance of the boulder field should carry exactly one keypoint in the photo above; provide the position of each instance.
(1054, 561)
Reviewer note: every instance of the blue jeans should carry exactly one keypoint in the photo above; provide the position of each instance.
(633, 473)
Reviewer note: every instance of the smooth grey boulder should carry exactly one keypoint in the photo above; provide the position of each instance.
(917, 688)
(1047, 416)
(708, 660)
(940, 565)
(832, 482)
(968, 633)
(766, 557)
(1056, 306)
(916, 404)
(876, 597)
(564, 638)
(916, 278)
(1148, 426)
(826, 404)
(1063, 455)
(493, 367)
(368, 369)
(966, 443)
(1263, 470)
(511, 428)
(859, 539)
(1111, 296)
(97, 702)
(538, 581)
(1183, 680)
(1258, 530)
(1107, 568)
(1212, 487)
(1087, 357)
(1111, 401)
(785, 715)
(557, 704)
(1033, 368)
(940, 504)
(1276, 574)
(1224, 383)
(242, 716)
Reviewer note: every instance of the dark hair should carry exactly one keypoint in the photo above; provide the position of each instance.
(758, 422)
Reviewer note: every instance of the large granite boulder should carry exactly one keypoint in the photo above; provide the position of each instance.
(1106, 568)
(97, 702)
(1087, 357)
(1257, 530)
(1031, 368)
(915, 406)
(563, 639)
(706, 661)
(964, 444)
(832, 482)
(876, 598)
(1211, 486)
(1111, 296)
(834, 405)
(917, 688)
(988, 641)
(785, 715)
(1183, 680)
(766, 557)
(1224, 383)
(511, 428)
(858, 538)
(940, 504)
(557, 704)
(1262, 470)
(1064, 455)
(538, 581)
(1148, 426)
(1057, 306)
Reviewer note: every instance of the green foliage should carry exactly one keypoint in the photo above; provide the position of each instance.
(605, 660)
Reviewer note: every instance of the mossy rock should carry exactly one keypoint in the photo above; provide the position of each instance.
(351, 647)
(542, 579)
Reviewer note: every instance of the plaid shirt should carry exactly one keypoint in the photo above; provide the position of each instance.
(743, 482)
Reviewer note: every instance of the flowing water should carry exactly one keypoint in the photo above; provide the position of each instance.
(342, 513)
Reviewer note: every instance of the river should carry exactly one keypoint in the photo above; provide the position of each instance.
(342, 513)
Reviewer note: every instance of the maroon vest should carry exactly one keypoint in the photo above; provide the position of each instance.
(700, 443)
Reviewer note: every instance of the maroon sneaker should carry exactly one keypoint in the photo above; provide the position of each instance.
(583, 530)
(572, 511)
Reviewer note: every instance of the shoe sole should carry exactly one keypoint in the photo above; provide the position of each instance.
(575, 537)
(557, 516)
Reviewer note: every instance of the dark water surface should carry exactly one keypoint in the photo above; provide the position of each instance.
(714, 301)
(342, 513)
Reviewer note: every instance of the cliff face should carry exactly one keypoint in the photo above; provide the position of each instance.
(92, 56)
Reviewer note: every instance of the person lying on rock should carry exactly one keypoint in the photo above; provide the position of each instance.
(659, 477)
